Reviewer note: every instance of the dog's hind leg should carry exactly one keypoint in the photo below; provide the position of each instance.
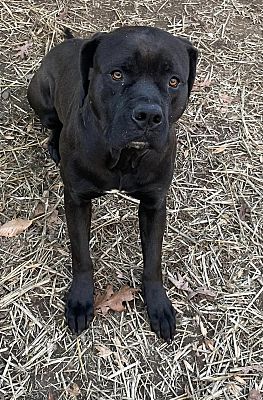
(40, 99)
(53, 145)
(49, 119)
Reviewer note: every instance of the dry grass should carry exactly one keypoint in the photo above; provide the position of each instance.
(214, 237)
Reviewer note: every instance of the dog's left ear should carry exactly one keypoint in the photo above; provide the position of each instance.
(193, 54)
(87, 53)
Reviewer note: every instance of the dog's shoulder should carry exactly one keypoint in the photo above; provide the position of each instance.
(69, 49)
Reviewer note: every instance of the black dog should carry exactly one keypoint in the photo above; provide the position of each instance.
(110, 102)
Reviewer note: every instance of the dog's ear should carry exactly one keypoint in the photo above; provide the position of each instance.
(193, 54)
(87, 53)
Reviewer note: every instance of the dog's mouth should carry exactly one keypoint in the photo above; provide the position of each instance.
(137, 145)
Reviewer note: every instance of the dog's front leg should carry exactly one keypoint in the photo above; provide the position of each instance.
(79, 307)
(160, 310)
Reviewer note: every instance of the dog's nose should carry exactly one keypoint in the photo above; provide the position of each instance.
(148, 115)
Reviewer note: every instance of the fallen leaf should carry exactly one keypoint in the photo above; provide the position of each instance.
(209, 343)
(14, 227)
(180, 283)
(239, 379)
(234, 389)
(254, 394)
(219, 149)
(114, 301)
(63, 14)
(251, 368)
(201, 84)
(5, 94)
(244, 211)
(73, 390)
(101, 300)
(39, 210)
(226, 99)
(24, 50)
(202, 290)
(103, 351)
(53, 218)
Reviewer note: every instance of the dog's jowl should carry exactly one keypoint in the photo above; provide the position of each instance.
(110, 102)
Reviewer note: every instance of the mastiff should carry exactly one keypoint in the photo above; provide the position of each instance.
(110, 102)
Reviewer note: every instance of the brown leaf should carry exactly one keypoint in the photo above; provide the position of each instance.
(114, 301)
(209, 343)
(63, 14)
(51, 396)
(24, 50)
(251, 368)
(39, 210)
(203, 291)
(201, 84)
(244, 211)
(226, 99)
(254, 394)
(14, 227)
(103, 351)
(101, 300)
(53, 218)
(73, 390)
(180, 283)
(239, 379)
(219, 149)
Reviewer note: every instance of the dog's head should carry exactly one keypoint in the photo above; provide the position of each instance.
(137, 81)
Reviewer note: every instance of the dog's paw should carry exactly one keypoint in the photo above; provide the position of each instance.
(79, 311)
(160, 311)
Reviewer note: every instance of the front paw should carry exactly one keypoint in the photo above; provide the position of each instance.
(160, 311)
(79, 310)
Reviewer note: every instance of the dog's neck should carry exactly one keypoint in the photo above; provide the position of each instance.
(126, 160)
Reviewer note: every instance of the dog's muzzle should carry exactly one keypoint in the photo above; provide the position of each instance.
(147, 116)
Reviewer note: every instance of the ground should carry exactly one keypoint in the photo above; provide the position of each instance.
(213, 245)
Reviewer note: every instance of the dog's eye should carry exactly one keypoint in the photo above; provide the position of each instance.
(116, 75)
(174, 82)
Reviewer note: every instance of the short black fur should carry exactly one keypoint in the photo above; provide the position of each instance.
(115, 131)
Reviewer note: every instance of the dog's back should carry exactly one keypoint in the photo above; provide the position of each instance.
(59, 68)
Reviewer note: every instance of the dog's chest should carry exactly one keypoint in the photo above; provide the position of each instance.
(128, 160)
(128, 168)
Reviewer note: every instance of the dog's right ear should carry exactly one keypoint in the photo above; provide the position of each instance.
(192, 54)
(86, 60)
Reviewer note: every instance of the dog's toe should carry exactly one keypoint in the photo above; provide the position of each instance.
(161, 313)
(163, 321)
(78, 316)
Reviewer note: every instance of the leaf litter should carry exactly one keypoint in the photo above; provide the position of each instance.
(23, 50)
(205, 190)
(110, 300)
(254, 394)
(14, 227)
